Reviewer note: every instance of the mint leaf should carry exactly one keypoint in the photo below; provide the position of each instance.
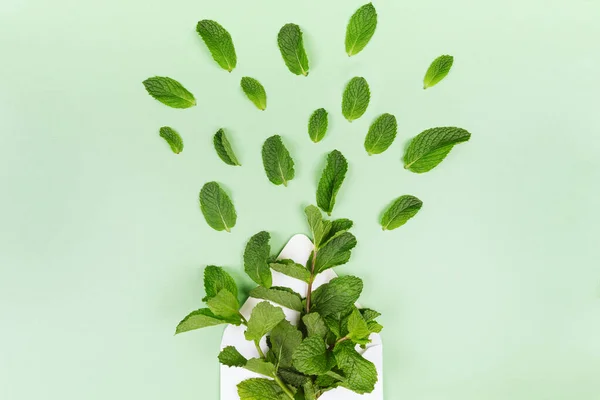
(331, 180)
(381, 134)
(291, 46)
(169, 92)
(217, 207)
(338, 295)
(201, 318)
(336, 252)
(225, 305)
(312, 357)
(318, 226)
(216, 279)
(430, 147)
(278, 164)
(255, 92)
(172, 138)
(292, 269)
(260, 366)
(400, 211)
(292, 377)
(368, 314)
(260, 389)
(338, 226)
(356, 98)
(315, 325)
(223, 148)
(285, 338)
(231, 357)
(360, 29)
(437, 71)
(264, 317)
(360, 373)
(256, 255)
(281, 295)
(338, 322)
(309, 391)
(219, 42)
(317, 125)
(358, 330)
(374, 326)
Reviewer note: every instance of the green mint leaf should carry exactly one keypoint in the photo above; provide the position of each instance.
(292, 377)
(369, 315)
(169, 92)
(264, 317)
(260, 367)
(219, 42)
(338, 226)
(356, 98)
(315, 325)
(225, 305)
(360, 29)
(331, 180)
(337, 296)
(278, 164)
(381, 134)
(223, 148)
(374, 326)
(318, 226)
(437, 71)
(217, 207)
(430, 147)
(285, 338)
(338, 322)
(172, 138)
(291, 46)
(312, 357)
(400, 211)
(201, 318)
(317, 125)
(215, 280)
(281, 295)
(327, 381)
(292, 269)
(358, 330)
(336, 252)
(310, 392)
(260, 389)
(231, 357)
(360, 373)
(255, 92)
(256, 255)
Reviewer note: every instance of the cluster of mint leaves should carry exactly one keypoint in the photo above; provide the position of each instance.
(319, 354)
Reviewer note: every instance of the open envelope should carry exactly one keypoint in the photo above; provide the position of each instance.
(298, 249)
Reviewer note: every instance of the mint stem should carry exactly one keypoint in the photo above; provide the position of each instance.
(260, 352)
(284, 387)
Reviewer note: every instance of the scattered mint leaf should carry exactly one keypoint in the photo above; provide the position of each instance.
(360, 373)
(358, 330)
(281, 295)
(437, 71)
(169, 92)
(225, 305)
(291, 46)
(369, 315)
(360, 29)
(172, 138)
(312, 357)
(278, 164)
(430, 147)
(317, 125)
(201, 318)
(338, 226)
(338, 295)
(255, 92)
(400, 211)
(381, 134)
(318, 226)
(336, 252)
(216, 279)
(260, 366)
(356, 98)
(231, 357)
(264, 317)
(260, 389)
(217, 207)
(292, 269)
(331, 180)
(219, 42)
(223, 148)
(315, 325)
(255, 259)
(285, 338)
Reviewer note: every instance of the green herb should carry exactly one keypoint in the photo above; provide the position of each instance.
(225, 305)
(291, 46)
(360, 29)
(437, 71)
(223, 148)
(400, 211)
(216, 279)
(277, 161)
(264, 317)
(219, 42)
(169, 92)
(381, 134)
(335, 252)
(315, 326)
(231, 357)
(331, 180)
(172, 138)
(337, 296)
(217, 207)
(312, 357)
(285, 338)
(290, 268)
(360, 374)
(430, 147)
(259, 389)
(356, 98)
(281, 295)
(255, 92)
(260, 366)
(256, 256)
(317, 125)
(201, 318)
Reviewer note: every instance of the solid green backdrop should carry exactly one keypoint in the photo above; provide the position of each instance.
(490, 292)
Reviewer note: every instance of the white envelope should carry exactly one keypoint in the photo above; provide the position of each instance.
(298, 249)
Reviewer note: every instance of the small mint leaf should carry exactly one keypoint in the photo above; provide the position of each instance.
(225, 305)
(201, 318)
(317, 125)
(256, 255)
(439, 68)
(231, 357)
(318, 226)
(331, 180)
(255, 92)
(223, 148)
(381, 134)
(358, 330)
(430, 147)
(278, 164)
(216, 279)
(217, 208)
(400, 211)
(292, 269)
(260, 389)
(360, 29)
(338, 226)
(337, 296)
(264, 317)
(315, 325)
(219, 42)
(169, 92)
(260, 366)
(356, 98)
(281, 295)
(172, 138)
(336, 252)
(292, 50)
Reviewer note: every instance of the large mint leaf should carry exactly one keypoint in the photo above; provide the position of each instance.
(430, 147)
(219, 42)
(318, 226)
(225, 305)
(317, 125)
(292, 50)
(277, 161)
(169, 92)
(292, 269)
(216, 279)
(281, 295)
(338, 295)
(172, 138)
(437, 71)
(223, 148)
(381, 134)
(312, 357)
(285, 338)
(260, 366)
(331, 180)
(201, 318)
(356, 98)
(231, 357)
(264, 317)
(256, 257)
(358, 330)
(217, 207)
(260, 389)
(360, 373)
(336, 252)
(360, 29)
(400, 211)
(255, 92)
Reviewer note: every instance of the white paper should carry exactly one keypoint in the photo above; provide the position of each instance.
(298, 249)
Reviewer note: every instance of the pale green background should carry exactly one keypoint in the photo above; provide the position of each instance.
(491, 292)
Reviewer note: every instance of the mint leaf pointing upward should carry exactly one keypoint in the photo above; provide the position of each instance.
(255, 92)
(356, 98)
(381, 134)
(331, 180)
(360, 29)
(219, 42)
(217, 207)
(277, 161)
(439, 68)
(169, 92)
(292, 50)
(317, 125)
(256, 256)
